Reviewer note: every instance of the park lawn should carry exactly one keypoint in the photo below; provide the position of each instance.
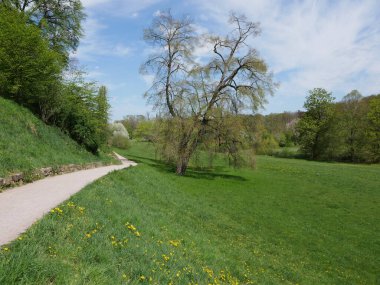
(288, 222)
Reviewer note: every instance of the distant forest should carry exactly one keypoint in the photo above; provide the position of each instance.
(346, 131)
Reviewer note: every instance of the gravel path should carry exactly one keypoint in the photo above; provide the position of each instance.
(22, 206)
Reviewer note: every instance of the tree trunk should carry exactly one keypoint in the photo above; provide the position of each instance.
(182, 165)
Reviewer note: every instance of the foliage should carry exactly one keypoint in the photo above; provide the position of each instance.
(119, 136)
(119, 141)
(35, 75)
(30, 71)
(59, 21)
(131, 122)
(118, 129)
(145, 130)
(373, 132)
(225, 226)
(314, 122)
(192, 97)
(344, 131)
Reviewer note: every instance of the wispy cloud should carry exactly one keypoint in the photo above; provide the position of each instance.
(94, 44)
(331, 44)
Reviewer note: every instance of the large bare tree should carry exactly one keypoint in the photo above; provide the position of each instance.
(194, 95)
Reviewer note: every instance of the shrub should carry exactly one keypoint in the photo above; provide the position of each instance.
(119, 142)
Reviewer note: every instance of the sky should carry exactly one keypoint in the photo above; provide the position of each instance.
(332, 44)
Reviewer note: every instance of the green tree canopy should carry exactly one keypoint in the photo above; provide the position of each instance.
(59, 20)
(29, 69)
(314, 123)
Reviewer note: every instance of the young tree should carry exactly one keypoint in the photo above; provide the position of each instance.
(315, 121)
(102, 108)
(192, 95)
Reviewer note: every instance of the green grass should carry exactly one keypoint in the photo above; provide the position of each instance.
(26, 143)
(288, 222)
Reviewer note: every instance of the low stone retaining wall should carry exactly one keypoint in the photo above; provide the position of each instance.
(21, 178)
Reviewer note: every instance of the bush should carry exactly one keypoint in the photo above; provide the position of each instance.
(120, 142)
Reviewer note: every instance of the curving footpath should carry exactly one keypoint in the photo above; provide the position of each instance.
(22, 206)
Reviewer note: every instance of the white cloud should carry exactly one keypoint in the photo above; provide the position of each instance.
(94, 45)
(330, 44)
(157, 13)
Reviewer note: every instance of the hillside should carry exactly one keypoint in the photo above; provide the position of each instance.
(27, 143)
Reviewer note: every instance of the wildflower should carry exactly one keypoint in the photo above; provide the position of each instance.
(174, 243)
(131, 227)
(165, 257)
(5, 248)
(137, 234)
(88, 235)
(58, 210)
(209, 271)
(142, 278)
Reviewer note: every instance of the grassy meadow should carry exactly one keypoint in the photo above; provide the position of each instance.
(26, 143)
(288, 222)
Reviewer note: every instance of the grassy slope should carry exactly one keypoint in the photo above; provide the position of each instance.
(26, 143)
(289, 222)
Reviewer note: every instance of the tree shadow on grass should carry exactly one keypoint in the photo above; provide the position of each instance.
(192, 172)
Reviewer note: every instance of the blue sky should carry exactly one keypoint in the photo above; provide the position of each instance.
(330, 44)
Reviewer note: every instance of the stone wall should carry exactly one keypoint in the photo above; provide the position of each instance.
(21, 178)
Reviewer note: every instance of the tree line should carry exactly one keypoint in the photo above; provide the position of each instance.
(36, 38)
(344, 131)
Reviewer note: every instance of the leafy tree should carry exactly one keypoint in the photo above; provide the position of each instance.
(373, 132)
(352, 124)
(84, 111)
(30, 73)
(120, 136)
(314, 123)
(145, 131)
(131, 123)
(59, 20)
(190, 95)
(102, 114)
